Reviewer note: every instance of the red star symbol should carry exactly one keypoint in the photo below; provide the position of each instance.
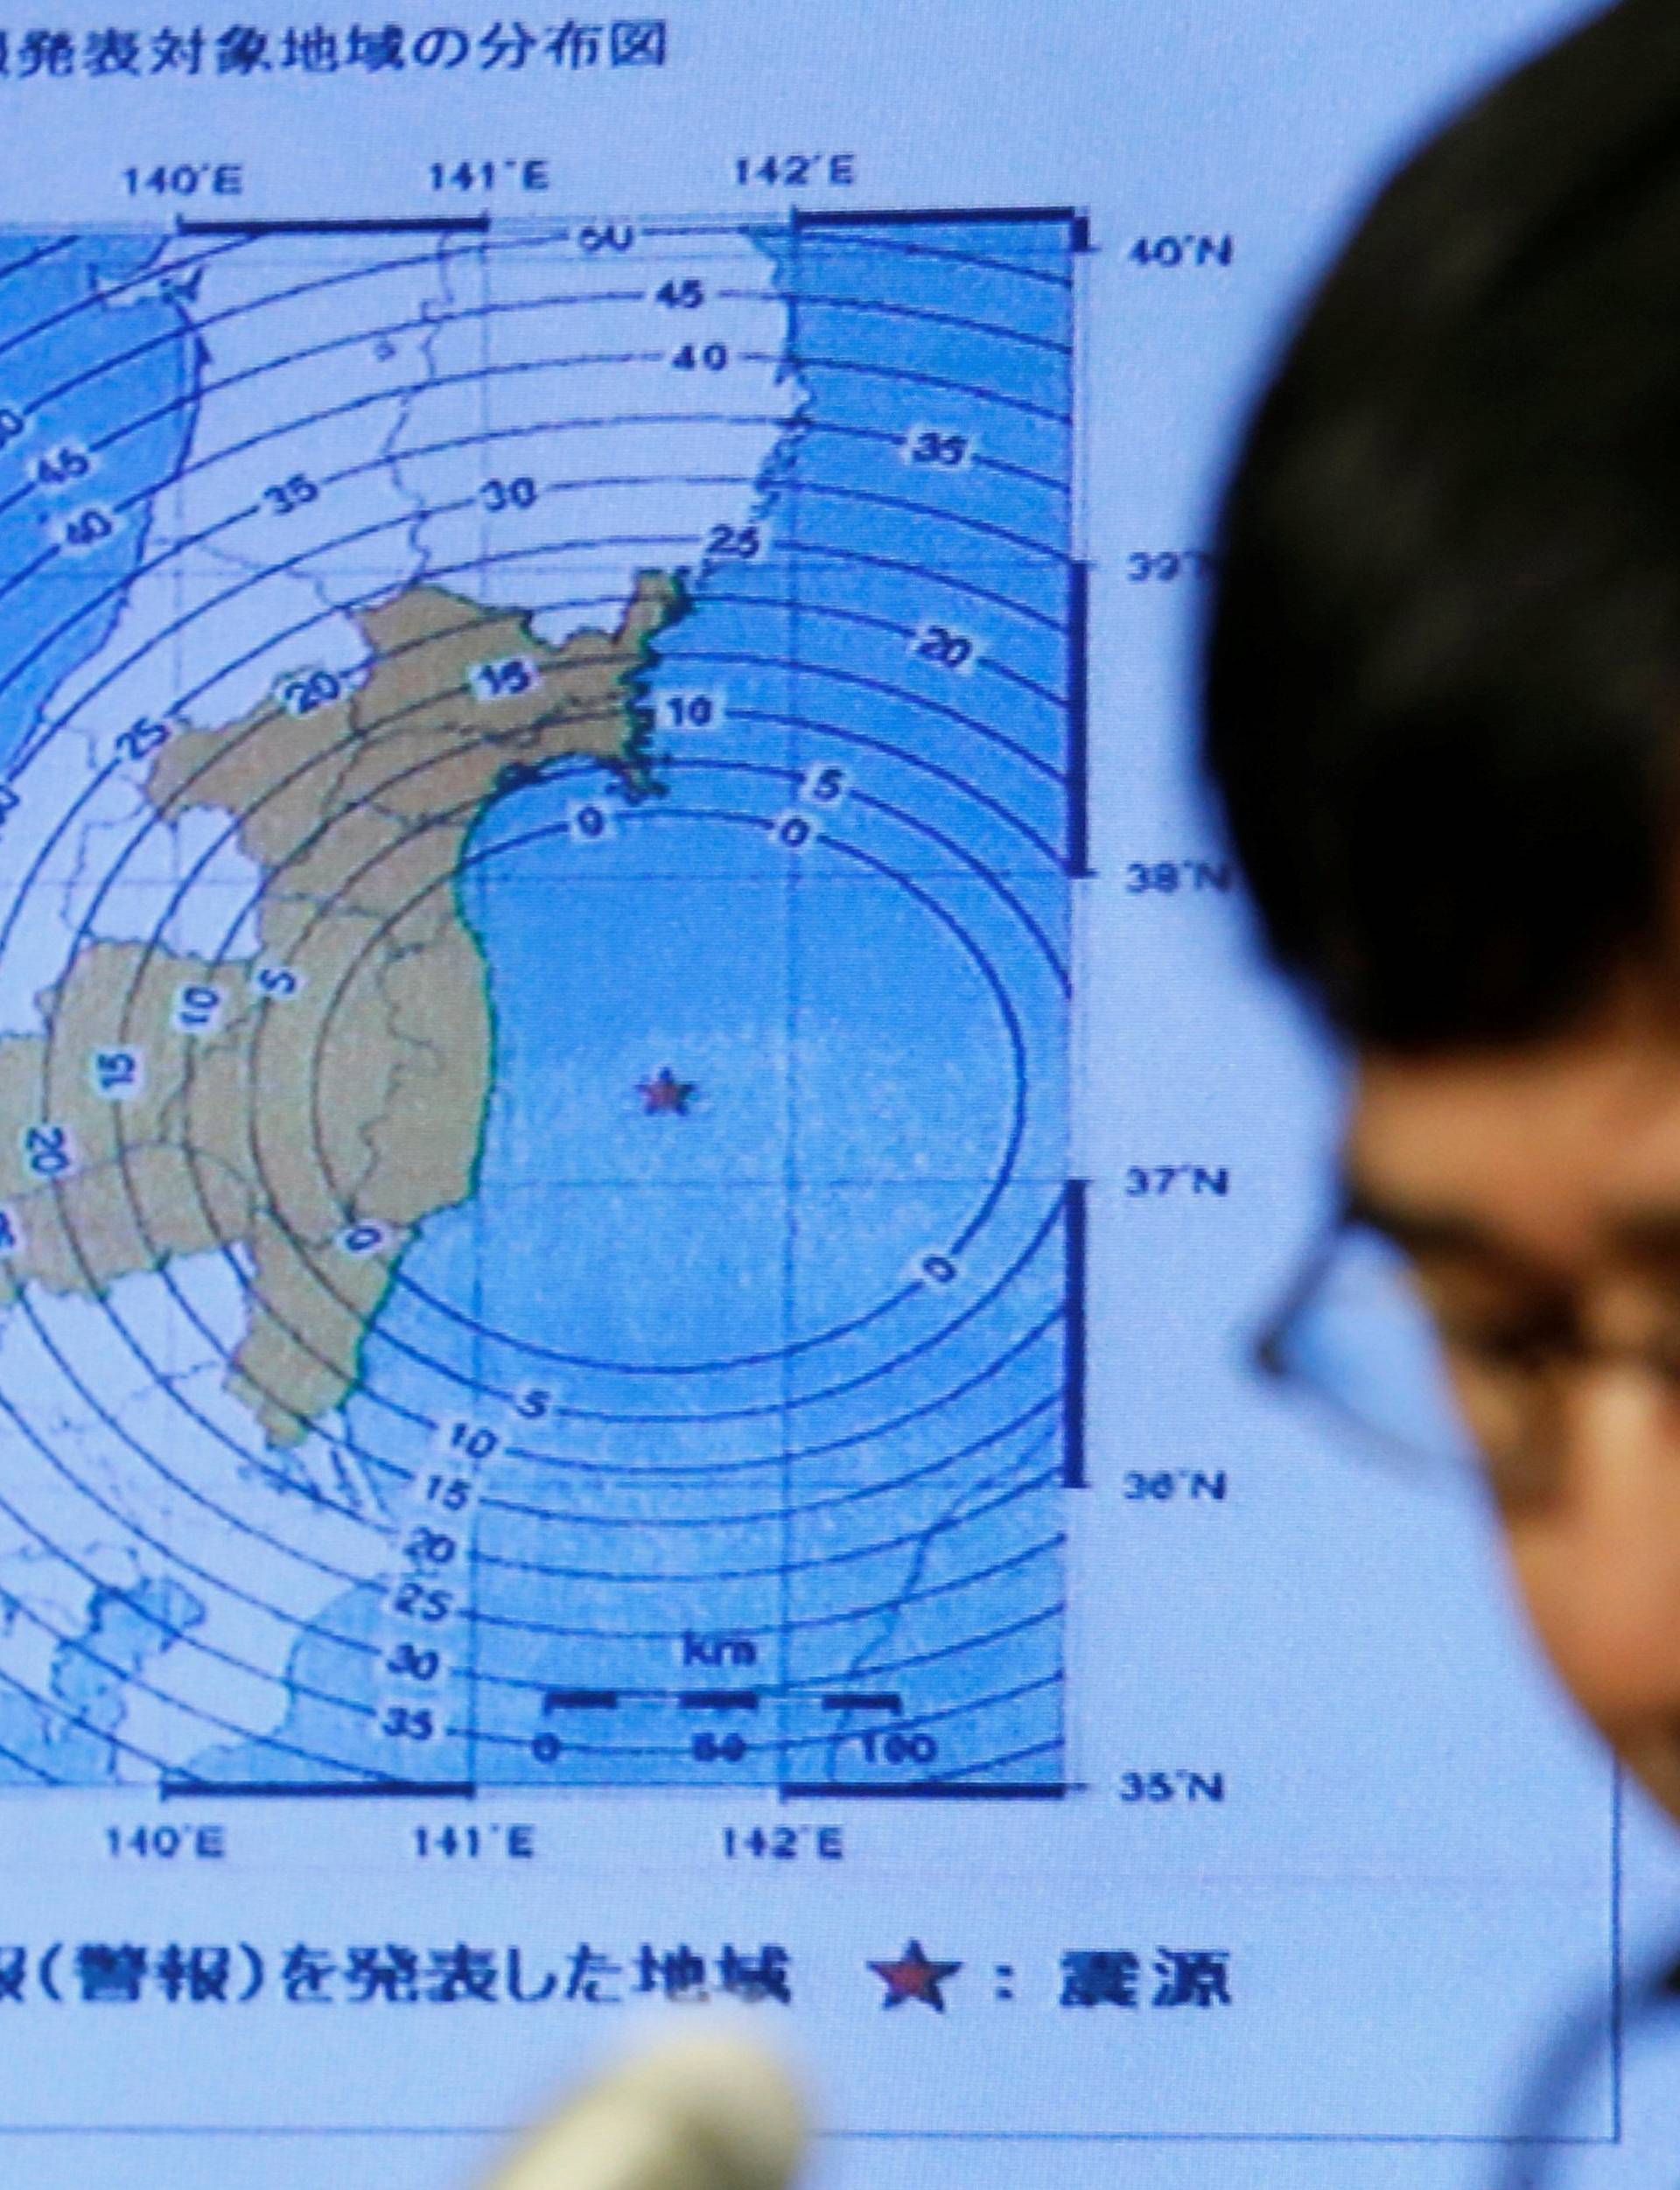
(665, 1096)
(913, 1976)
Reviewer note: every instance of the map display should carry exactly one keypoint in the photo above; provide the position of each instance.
(642, 1138)
(534, 1003)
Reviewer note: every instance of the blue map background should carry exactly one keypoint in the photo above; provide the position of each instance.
(774, 1459)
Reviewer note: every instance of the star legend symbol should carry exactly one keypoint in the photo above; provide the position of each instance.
(666, 1096)
(913, 1976)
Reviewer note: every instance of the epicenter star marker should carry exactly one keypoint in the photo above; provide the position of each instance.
(665, 1096)
(913, 1976)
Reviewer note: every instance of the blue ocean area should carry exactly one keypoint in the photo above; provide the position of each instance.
(758, 1320)
(98, 370)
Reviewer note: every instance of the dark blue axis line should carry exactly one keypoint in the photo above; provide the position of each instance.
(962, 1708)
(55, 1710)
(441, 259)
(996, 1764)
(424, 259)
(823, 220)
(476, 224)
(951, 1781)
(959, 1785)
(894, 1607)
(183, 1785)
(924, 1790)
(977, 1499)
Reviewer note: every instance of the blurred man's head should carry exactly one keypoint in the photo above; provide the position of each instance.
(1444, 710)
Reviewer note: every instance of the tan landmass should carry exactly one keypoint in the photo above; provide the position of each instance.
(358, 1100)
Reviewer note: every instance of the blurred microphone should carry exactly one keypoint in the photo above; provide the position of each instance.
(701, 2114)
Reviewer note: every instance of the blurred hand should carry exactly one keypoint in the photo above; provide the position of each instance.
(703, 2113)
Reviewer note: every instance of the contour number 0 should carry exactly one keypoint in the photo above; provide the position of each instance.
(794, 831)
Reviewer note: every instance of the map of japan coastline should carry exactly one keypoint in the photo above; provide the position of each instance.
(310, 1119)
(349, 907)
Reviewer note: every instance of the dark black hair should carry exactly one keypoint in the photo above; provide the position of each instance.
(1443, 674)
